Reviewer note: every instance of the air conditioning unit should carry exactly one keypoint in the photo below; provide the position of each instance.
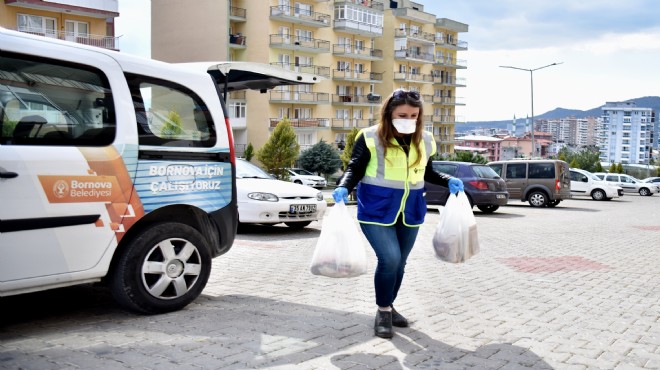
(373, 97)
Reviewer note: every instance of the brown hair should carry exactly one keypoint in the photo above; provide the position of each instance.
(386, 131)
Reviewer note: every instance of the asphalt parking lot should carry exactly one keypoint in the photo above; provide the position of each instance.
(572, 287)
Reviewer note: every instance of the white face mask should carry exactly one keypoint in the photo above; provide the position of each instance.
(405, 126)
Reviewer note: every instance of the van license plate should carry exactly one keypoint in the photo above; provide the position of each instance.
(302, 208)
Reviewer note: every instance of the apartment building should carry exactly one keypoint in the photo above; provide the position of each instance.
(89, 22)
(488, 147)
(626, 133)
(572, 131)
(362, 49)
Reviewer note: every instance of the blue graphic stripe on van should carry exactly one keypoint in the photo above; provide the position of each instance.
(206, 185)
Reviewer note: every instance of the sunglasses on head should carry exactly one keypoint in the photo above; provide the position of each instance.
(403, 94)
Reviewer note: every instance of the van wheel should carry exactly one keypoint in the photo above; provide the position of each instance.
(489, 208)
(297, 225)
(537, 199)
(598, 194)
(644, 192)
(553, 203)
(162, 269)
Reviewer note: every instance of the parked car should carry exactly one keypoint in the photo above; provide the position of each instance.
(541, 182)
(655, 180)
(585, 183)
(264, 200)
(304, 177)
(116, 169)
(629, 183)
(483, 187)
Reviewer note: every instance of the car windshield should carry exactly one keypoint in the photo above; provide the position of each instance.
(300, 171)
(592, 176)
(246, 170)
(484, 172)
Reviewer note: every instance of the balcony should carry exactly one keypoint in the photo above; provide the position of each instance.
(450, 62)
(237, 95)
(363, 100)
(412, 77)
(237, 41)
(357, 28)
(452, 44)
(299, 16)
(305, 44)
(444, 119)
(447, 100)
(413, 56)
(304, 68)
(237, 14)
(348, 75)
(349, 123)
(446, 139)
(302, 122)
(450, 81)
(352, 51)
(414, 15)
(298, 97)
(422, 37)
(106, 42)
(363, 3)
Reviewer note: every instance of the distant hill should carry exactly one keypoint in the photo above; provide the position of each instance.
(645, 102)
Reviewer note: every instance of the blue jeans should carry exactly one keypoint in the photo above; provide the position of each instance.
(392, 245)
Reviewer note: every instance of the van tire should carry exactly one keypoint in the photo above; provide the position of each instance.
(537, 198)
(488, 208)
(598, 194)
(553, 203)
(178, 259)
(298, 225)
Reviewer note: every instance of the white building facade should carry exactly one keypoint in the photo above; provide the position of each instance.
(626, 133)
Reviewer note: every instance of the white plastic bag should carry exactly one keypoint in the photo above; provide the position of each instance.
(456, 238)
(340, 250)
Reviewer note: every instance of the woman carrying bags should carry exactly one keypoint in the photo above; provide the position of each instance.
(389, 164)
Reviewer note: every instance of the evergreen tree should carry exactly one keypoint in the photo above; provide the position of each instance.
(321, 158)
(468, 157)
(348, 149)
(619, 168)
(599, 167)
(574, 163)
(280, 151)
(612, 168)
(249, 152)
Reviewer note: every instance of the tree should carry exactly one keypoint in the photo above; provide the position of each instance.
(249, 152)
(321, 158)
(599, 167)
(172, 126)
(468, 157)
(280, 151)
(619, 168)
(348, 148)
(574, 163)
(612, 168)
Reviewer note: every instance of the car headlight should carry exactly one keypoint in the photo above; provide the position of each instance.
(267, 197)
(319, 196)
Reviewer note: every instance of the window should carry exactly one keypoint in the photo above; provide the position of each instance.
(449, 169)
(44, 102)
(614, 178)
(516, 171)
(39, 25)
(76, 29)
(237, 109)
(169, 114)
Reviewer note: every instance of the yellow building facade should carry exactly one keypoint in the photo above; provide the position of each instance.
(362, 49)
(89, 22)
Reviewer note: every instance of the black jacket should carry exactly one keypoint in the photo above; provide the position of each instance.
(360, 158)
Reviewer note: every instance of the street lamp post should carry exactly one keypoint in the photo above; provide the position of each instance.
(531, 80)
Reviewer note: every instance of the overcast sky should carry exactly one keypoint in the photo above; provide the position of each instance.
(610, 50)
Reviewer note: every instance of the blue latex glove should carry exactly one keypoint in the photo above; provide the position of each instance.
(340, 194)
(455, 185)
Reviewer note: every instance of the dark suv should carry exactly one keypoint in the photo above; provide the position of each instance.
(483, 187)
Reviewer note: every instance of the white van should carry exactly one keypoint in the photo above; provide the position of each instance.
(116, 168)
(585, 183)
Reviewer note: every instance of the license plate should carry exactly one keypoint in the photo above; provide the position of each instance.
(302, 208)
(500, 196)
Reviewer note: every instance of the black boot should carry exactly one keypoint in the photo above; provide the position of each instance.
(383, 325)
(398, 319)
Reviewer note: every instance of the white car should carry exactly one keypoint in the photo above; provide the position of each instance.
(629, 183)
(304, 177)
(585, 183)
(264, 200)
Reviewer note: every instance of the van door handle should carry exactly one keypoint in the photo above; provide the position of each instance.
(8, 175)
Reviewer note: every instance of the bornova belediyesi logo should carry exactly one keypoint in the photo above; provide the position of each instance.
(61, 188)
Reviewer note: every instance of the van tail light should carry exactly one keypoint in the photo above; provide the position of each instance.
(557, 184)
(479, 185)
(230, 135)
